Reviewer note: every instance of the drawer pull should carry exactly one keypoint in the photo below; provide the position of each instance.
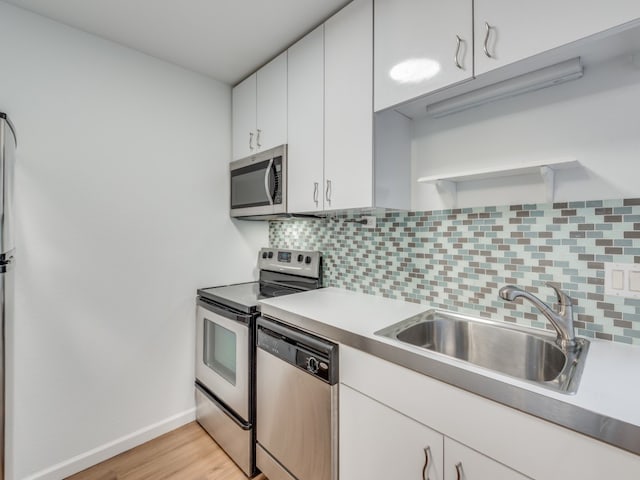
(486, 40)
(427, 461)
(457, 55)
(459, 472)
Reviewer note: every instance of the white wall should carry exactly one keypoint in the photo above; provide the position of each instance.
(593, 120)
(122, 213)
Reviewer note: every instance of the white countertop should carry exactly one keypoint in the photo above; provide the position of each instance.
(609, 384)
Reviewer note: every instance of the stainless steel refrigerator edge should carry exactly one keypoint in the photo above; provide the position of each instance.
(7, 247)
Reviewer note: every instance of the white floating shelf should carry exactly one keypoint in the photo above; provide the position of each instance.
(447, 183)
(482, 174)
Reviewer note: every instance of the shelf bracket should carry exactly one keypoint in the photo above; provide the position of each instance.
(548, 177)
(449, 191)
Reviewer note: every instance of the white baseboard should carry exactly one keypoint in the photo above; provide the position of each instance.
(103, 452)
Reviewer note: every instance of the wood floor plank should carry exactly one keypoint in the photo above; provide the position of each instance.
(187, 453)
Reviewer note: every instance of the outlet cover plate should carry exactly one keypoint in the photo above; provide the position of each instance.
(621, 279)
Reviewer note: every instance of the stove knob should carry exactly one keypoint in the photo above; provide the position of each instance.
(307, 260)
(264, 254)
(270, 254)
(300, 258)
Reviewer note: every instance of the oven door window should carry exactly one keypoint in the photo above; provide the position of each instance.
(220, 350)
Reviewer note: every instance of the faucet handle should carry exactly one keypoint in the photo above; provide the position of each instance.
(564, 300)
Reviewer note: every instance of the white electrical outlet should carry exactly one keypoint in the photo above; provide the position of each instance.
(622, 279)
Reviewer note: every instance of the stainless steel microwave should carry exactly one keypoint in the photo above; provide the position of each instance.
(259, 184)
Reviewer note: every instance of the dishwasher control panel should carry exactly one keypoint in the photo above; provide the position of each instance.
(314, 355)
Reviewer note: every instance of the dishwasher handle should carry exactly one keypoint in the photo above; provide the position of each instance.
(314, 355)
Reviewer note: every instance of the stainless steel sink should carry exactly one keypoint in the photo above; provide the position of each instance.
(520, 352)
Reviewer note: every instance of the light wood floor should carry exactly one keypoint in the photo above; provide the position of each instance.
(186, 453)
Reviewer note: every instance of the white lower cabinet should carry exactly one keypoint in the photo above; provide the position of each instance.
(378, 443)
(390, 414)
(462, 463)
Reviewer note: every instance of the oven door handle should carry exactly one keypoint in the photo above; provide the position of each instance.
(267, 181)
(237, 317)
(229, 413)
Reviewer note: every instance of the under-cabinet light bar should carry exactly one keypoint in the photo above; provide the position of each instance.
(529, 82)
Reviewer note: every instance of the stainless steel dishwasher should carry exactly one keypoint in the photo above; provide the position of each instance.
(297, 404)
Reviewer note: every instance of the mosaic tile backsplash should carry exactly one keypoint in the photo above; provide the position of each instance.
(458, 259)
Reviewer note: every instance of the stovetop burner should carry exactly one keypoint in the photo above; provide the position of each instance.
(282, 272)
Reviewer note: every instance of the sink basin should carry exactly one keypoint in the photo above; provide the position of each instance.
(520, 352)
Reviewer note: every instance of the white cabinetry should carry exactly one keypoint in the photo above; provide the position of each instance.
(244, 117)
(514, 30)
(348, 103)
(420, 46)
(489, 439)
(462, 463)
(332, 163)
(318, 98)
(259, 105)
(306, 124)
(379, 443)
(416, 41)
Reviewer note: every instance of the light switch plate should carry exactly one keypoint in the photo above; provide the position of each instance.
(634, 281)
(617, 279)
(622, 279)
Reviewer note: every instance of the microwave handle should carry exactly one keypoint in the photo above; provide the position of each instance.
(267, 177)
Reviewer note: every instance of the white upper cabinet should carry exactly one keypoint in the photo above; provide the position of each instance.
(259, 105)
(348, 92)
(306, 124)
(271, 111)
(510, 30)
(244, 117)
(421, 46)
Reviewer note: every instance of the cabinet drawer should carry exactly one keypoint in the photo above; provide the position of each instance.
(462, 463)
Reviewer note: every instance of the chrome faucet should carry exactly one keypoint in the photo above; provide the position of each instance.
(561, 320)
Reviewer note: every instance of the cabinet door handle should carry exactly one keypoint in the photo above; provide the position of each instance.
(457, 55)
(258, 138)
(459, 472)
(427, 461)
(486, 40)
(315, 192)
(327, 193)
(251, 141)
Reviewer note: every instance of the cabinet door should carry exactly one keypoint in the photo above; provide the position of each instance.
(520, 29)
(243, 99)
(306, 123)
(378, 443)
(420, 46)
(348, 123)
(462, 463)
(272, 103)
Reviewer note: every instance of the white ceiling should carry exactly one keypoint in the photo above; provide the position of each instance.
(225, 39)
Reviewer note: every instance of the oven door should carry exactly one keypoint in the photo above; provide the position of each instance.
(223, 356)
(258, 184)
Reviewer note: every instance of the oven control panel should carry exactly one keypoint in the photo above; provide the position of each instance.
(297, 262)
